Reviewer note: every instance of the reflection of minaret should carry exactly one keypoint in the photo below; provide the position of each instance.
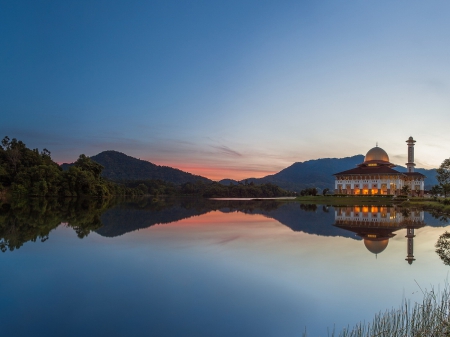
(410, 235)
(410, 164)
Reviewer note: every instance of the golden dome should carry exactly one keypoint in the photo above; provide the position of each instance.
(376, 246)
(376, 153)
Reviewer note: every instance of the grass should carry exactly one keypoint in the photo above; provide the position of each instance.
(422, 203)
(347, 200)
(428, 205)
(426, 319)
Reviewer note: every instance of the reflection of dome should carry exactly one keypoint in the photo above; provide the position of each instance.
(376, 246)
(376, 153)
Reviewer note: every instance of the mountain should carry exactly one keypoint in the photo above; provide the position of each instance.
(319, 173)
(119, 167)
(227, 182)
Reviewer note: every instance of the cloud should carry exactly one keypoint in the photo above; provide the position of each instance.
(226, 150)
(227, 240)
(436, 86)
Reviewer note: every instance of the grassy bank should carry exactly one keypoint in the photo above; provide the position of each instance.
(426, 319)
(428, 205)
(347, 200)
(421, 203)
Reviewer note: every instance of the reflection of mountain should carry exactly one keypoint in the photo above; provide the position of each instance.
(311, 220)
(121, 220)
(305, 218)
(31, 220)
(129, 217)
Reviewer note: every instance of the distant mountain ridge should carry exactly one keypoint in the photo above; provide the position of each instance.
(319, 173)
(121, 167)
(311, 173)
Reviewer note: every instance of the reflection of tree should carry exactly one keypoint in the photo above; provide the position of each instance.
(438, 215)
(443, 248)
(33, 219)
(406, 212)
(308, 207)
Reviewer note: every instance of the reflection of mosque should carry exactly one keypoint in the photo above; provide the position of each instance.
(376, 225)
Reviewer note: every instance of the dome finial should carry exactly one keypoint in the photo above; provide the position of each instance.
(377, 144)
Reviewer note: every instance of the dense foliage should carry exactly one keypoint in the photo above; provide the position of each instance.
(24, 171)
(211, 190)
(443, 177)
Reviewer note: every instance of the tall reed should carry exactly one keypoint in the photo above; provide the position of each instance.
(431, 318)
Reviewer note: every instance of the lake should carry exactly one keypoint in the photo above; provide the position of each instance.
(196, 267)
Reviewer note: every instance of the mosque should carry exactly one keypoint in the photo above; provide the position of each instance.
(376, 176)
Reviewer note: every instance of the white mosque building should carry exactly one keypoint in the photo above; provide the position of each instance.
(376, 176)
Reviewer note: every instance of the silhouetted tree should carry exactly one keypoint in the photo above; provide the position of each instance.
(443, 176)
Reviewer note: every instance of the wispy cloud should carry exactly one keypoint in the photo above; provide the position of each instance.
(226, 150)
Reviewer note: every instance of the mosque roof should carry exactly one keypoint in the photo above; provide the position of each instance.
(376, 153)
(370, 170)
(414, 174)
(376, 246)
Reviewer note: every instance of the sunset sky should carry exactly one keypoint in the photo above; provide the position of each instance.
(227, 89)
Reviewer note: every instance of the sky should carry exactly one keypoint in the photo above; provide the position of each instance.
(227, 89)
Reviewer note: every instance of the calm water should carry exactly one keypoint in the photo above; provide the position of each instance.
(209, 268)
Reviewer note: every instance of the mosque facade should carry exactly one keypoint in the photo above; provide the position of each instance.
(377, 176)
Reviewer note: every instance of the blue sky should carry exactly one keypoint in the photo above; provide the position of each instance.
(227, 88)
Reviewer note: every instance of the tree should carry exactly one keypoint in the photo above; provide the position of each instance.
(325, 191)
(87, 164)
(14, 157)
(405, 189)
(443, 248)
(435, 190)
(443, 176)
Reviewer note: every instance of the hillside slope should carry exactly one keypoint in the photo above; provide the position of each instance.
(119, 167)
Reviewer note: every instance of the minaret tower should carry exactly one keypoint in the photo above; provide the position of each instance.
(410, 250)
(410, 164)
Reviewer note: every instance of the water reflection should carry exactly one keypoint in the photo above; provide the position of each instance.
(34, 219)
(203, 268)
(31, 220)
(377, 224)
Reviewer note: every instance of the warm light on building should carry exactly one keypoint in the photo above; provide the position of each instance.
(376, 176)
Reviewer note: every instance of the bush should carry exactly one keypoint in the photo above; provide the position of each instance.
(402, 196)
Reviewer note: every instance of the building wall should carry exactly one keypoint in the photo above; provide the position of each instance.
(383, 185)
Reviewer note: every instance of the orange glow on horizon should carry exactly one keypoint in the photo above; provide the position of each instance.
(219, 173)
(218, 217)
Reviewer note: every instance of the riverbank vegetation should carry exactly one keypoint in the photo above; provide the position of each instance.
(347, 200)
(209, 190)
(430, 318)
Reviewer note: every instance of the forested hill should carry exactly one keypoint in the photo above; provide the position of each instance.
(312, 173)
(120, 167)
(319, 173)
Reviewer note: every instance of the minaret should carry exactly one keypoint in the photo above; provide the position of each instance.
(410, 164)
(410, 235)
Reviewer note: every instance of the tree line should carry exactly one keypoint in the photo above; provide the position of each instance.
(209, 190)
(28, 172)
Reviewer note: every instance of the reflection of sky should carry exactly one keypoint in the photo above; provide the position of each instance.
(218, 274)
(226, 89)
